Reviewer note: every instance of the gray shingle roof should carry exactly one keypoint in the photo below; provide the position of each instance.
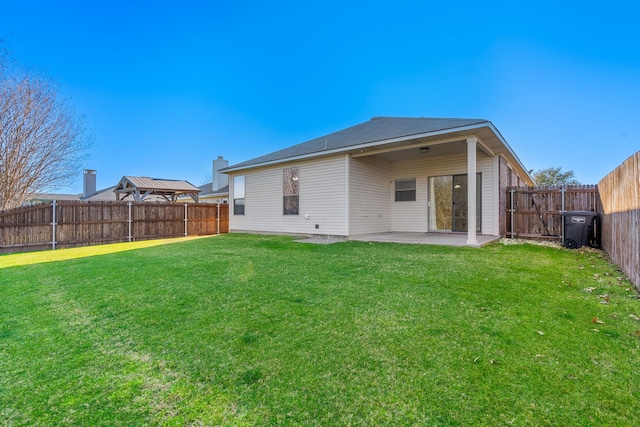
(206, 190)
(376, 129)
(106, 194)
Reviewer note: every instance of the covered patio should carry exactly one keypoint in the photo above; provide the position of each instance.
(456, 218)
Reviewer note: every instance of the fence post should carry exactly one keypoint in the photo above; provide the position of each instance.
(53, 226)
(218, 219)
(512, 211)
(129, 221)
(563, 189)
(186, 221)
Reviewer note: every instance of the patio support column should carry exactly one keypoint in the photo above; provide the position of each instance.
(471, 191)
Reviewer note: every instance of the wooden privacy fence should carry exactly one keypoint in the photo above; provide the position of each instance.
(535, 212)
(620, 194)
(63, 224)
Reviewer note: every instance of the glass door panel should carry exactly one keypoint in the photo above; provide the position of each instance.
(460, 204)
(440, 203)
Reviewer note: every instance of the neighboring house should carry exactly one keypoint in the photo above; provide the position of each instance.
(50, 197)
(104, 195)
(216, 191)
(208, 195)
(89, 192)
(129, 188)
(384, 175)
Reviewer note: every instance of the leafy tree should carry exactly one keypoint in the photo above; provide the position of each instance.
(42, 142)
(554, 176)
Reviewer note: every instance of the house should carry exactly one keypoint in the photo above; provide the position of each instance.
(50, 197)
(216, 191)
(385, 175)
(209, 195)
(129, 188)
(89, 192)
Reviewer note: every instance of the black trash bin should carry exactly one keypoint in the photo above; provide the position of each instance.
(581, 228)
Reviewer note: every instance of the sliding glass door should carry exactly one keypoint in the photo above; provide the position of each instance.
(448, 207)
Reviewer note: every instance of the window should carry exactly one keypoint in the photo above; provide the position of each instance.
(290, 185)
(406, 190)
(238, 195)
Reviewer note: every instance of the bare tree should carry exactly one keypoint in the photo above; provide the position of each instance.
(43, 143)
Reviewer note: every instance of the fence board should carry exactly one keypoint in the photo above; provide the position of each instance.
(536, 210)
(89, 223)
(620, 196)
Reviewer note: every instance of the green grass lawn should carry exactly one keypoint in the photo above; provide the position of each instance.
(260, 330)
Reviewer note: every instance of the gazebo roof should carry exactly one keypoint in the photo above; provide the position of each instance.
(140, 187)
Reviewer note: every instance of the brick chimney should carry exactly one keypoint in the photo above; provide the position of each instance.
(89, 183)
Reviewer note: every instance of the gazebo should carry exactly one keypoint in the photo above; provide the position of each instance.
(140, 188)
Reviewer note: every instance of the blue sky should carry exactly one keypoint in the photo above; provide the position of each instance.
(166, 87)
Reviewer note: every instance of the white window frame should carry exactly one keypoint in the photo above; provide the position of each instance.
(404, 191)
(239, 195)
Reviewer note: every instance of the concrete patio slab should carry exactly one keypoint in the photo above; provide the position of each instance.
(445, 239)
(322, 240)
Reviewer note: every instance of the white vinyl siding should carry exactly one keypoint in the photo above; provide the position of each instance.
(413, 216)
(322, 196)
(369, 192)
(355, 196)
(490, 212)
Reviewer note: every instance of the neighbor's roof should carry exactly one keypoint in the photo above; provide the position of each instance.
(145, 183)
(49, 197)
(206, 190)
(389, 132)
(106, 194)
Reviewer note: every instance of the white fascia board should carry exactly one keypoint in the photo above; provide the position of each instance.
(359, 147)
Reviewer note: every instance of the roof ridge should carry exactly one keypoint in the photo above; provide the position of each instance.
(428, 118)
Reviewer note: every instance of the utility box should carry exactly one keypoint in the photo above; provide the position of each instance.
(581, 228)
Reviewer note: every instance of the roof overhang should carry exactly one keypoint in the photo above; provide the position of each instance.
(489, 140)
